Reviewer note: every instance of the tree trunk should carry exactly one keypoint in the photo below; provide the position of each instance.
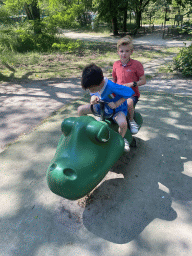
(138, 18)
(125, 20)
(28, 11)
(33, 13)
(36, 17)
(114, 26)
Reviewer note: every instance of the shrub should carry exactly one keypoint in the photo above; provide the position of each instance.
(4, 16)
(8, 40)
(23, 40)
(66, 45)
(27, 41)
(183, 61)
(186, 28)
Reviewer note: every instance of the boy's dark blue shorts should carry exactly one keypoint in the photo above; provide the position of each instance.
(135, 100)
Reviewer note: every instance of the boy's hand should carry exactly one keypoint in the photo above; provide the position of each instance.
(112, 105)
(94, 100)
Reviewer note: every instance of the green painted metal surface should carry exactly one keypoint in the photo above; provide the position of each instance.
(138, 118)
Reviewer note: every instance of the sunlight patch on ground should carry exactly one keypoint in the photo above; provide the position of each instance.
(10, 203)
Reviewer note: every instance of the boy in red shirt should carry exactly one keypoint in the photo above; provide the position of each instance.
(129, 72)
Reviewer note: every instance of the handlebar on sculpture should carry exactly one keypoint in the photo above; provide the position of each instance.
(102, 112)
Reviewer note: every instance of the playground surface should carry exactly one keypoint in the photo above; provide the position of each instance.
(142, 207)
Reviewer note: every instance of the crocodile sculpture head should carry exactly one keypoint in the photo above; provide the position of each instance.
(86, 151)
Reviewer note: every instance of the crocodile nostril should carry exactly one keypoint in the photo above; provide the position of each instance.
(71, 174)
(52, 167)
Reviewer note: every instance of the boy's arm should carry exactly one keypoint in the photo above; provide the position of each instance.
(114, 75)
(142, 81)
(121, 90)
(117, 103)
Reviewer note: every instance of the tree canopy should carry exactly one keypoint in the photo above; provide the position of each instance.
(70, 11)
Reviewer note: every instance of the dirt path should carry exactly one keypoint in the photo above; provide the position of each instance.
(154, 39)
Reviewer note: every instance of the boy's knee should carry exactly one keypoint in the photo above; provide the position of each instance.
(130, 103)
(84, 110)
(123, 125)
(80, 111)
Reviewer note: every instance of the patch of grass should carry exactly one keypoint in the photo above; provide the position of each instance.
(164, 69)
(148, 77)
(173, 50)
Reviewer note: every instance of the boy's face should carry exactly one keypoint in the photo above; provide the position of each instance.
(96, 88)
(124, 53)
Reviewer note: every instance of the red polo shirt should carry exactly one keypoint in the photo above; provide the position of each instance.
(127, 74)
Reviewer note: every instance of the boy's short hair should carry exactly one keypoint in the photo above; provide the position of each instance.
(92, 76)
(127, 40)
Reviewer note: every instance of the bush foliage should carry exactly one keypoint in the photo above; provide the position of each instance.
(186, 28)
(68, 17)
(22, 39)
(183, 61)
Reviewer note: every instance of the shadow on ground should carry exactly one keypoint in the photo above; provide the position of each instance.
(25, 105)
(120, 209)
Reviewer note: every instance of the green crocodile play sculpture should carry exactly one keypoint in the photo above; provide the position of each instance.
(85, 153)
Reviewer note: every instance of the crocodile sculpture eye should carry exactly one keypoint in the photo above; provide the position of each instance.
(98, 132)
(67, 125)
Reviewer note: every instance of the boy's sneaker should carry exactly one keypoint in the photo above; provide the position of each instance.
(134, 128)
(126, 147)
(98, 118)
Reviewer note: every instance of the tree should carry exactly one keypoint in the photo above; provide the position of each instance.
(33, 9)
(123, 7)
(33, 13)
(183, 3)
(108, 11)
(139, 7)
